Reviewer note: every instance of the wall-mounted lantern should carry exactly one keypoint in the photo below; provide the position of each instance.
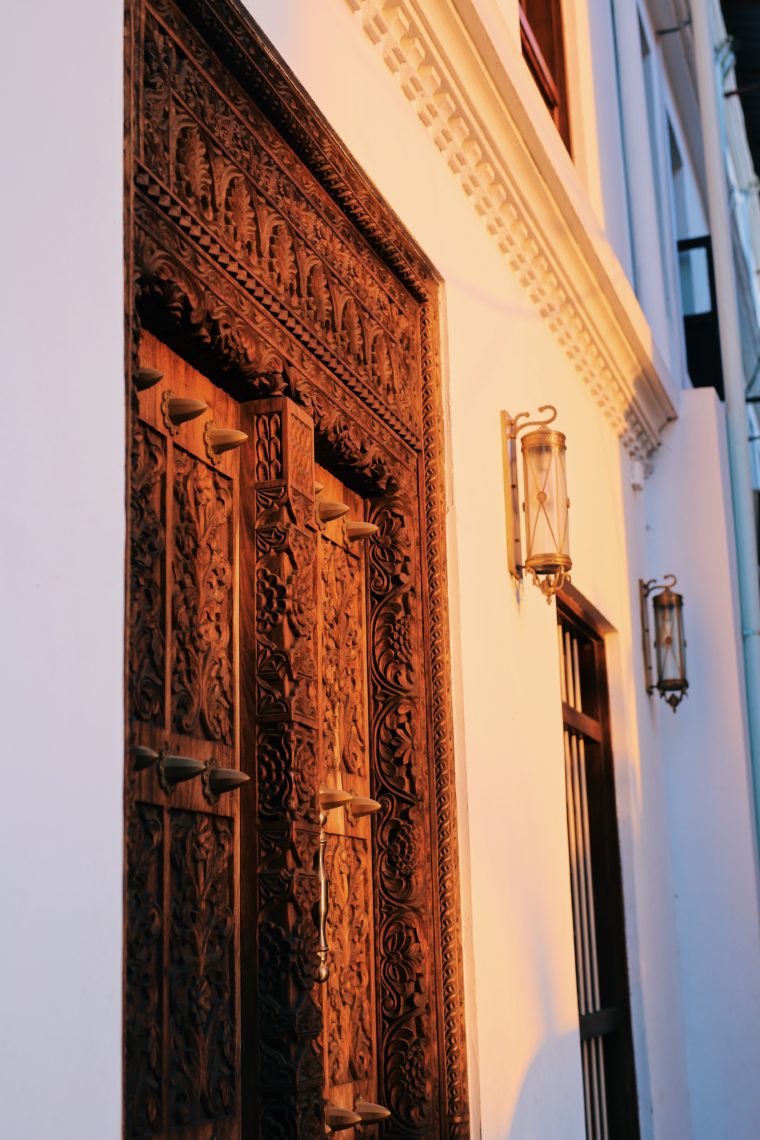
(545, 503)
(669, 640)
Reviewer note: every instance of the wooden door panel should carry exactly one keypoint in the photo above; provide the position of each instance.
(348, 1000)
(182, 1040)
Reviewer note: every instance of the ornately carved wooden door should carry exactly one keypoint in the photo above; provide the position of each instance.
(258, 251)
(182, 980)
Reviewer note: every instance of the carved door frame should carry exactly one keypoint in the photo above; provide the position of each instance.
(259, 252)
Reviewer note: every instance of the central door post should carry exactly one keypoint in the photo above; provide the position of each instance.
(282, 1065)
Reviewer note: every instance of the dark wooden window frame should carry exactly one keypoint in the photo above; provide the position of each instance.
(551, 82)
(605, 1019)
(702, 330)
(247, 317)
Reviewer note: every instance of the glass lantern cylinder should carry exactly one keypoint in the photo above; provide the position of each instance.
(670, 645)
(546, 508)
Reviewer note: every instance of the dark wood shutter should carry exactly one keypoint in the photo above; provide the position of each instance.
(609, 1076)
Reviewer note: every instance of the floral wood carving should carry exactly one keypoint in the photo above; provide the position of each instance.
(407, 1073)
(144, 1022)
(262, 250)
(349, 1045)
(344, 743)
(202, 584)
(201, 943)
(146, 643)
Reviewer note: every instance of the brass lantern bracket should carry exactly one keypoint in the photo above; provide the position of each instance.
(510, 429)
(645, 589)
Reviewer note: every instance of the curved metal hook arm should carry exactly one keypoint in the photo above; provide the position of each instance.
(518, 427)
(668, 582)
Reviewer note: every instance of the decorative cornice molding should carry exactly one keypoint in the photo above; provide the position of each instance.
(595, 319)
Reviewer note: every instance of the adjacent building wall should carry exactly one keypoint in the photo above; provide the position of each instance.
(62, 571)
(703, 754)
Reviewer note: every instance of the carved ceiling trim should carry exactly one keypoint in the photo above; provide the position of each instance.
(609, 357)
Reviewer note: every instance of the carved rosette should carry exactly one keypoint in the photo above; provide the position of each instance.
(279, 472)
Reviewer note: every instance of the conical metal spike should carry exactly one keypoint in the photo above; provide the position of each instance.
(362, 805)
(370, 1112)
(221, 780)
(329, 510)
(224, 439)
(180, 410)
(330, 798)
(337, 1119)
(177, 769)
(143, 757)
(359, 530)
(146, 377)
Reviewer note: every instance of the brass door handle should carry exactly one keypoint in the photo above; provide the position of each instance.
(323, 951)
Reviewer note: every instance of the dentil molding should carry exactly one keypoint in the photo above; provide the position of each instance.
(490, 127)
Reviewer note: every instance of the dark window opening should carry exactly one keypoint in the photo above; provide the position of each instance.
(544, 52)
(609, 1076)
(700, 313)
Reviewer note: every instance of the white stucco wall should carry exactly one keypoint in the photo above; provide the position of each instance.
(702, 752)
(62, 571)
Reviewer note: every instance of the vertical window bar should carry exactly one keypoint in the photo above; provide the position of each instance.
(577, 676)
(594, 967)
(562, 681)
(587, 1094)
(574, 873)
(605, 1129)
(569, 671)
(583, 910)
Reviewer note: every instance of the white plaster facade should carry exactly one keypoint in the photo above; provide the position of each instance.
(538, 257)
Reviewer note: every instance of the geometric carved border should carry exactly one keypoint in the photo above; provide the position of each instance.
(185, 286)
